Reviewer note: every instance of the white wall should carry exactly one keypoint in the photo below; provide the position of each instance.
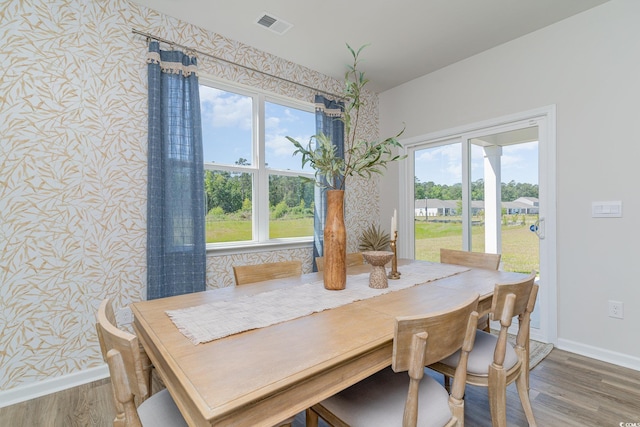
(589, 67)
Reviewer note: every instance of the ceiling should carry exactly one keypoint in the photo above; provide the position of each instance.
(407, 38)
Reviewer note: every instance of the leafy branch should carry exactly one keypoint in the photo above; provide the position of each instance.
(361, 158)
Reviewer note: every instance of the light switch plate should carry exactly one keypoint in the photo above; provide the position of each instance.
(611, 209)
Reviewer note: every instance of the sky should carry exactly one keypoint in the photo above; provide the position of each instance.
(227, 136)
(443, 164)
(227, 129)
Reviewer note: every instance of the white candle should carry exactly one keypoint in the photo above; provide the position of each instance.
(395, 222)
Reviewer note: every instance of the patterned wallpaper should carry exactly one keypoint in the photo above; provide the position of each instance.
(73, 171)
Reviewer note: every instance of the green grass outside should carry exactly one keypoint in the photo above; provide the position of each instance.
(238, 230)
(291, 228)
(227, 231)
(519, 245)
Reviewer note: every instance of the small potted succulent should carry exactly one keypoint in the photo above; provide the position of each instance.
(374, 239)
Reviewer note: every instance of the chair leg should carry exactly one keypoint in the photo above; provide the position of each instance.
(487, 327)
(498, 395)
(525, 362)
(523, 392)
(320, 411)
(311, 418)
(484, 323)
(457, 409)
(447, 383)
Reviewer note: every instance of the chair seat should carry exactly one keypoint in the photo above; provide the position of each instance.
(384, 395)
(160, 410)
(482, 355)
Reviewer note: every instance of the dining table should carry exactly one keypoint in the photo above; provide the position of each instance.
(263, 374)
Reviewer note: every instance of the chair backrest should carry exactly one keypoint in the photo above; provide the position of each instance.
(425, 339)
(245, 274)
(353, 258)
(509, 300)
(121, 351)
(470, 259)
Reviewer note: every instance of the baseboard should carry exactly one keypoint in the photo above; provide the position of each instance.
(52, 385)
(603, 355)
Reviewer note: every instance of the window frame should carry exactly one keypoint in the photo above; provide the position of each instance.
(259, 171)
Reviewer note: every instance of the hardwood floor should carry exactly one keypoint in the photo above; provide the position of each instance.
(566, 390)
(86, 405)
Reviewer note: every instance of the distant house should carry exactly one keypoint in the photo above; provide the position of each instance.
(437, 207)
(522, 205)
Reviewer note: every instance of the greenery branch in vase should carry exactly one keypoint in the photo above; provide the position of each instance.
(362, 158)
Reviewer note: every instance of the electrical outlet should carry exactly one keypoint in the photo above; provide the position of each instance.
(616, 309)
(124, 316)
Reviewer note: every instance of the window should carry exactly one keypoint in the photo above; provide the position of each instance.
(255, 188)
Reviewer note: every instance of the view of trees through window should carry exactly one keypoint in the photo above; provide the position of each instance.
(256, 190)
(510, 191)
(230, 205)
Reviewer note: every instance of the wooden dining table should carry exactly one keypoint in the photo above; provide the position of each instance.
(263, 376)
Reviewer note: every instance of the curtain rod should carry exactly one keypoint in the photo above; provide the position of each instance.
(160, 39)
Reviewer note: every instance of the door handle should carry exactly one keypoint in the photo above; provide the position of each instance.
(538, 228)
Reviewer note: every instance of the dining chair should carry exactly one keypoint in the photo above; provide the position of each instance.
(245, 274)
(129, 381)
(494, 363)
(353, 259)
(470, 259)
(473, 260)
(389, 396)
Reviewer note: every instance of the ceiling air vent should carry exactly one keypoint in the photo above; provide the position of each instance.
(273, 23)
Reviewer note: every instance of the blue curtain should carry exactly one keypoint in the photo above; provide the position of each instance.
(176, 257)
(329, 122)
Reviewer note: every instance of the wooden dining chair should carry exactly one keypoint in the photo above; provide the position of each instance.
(470, 259)
(473, 260)
(245, 274)
(389, 396)
(493, 362)
(128, 367)
(353, 259)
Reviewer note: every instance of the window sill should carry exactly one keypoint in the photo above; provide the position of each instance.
(219, 249)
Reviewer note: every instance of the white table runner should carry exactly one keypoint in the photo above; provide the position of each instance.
(215, 320)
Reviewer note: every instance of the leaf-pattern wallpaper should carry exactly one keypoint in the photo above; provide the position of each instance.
(73, 111)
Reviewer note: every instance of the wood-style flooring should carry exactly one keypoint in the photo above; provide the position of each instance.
(566, 390)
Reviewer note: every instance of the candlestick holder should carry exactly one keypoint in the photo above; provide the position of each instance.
(394, 273)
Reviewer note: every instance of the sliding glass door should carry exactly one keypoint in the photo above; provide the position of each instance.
(480, 190)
